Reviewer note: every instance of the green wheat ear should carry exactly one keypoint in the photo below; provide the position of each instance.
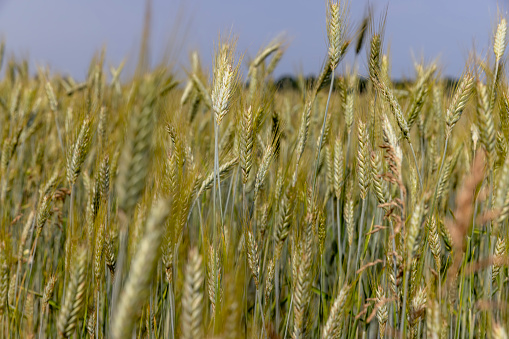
(136, 156)
(74, 296)
(78, 152)
(459, 101)
(486, 123)
(333, 326)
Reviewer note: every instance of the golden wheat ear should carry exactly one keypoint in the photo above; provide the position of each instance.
(225, 79)
(143, 268)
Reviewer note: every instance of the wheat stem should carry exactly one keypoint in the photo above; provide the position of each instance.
(361, 233)
(416, 165)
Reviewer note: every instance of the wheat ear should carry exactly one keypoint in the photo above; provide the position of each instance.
(459, 101)
(192, 297)
(74, 297)
(334, 322)
(143, 267)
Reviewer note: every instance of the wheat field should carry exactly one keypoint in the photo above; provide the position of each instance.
(222, 206)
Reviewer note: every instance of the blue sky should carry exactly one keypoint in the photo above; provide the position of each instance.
(65, 34)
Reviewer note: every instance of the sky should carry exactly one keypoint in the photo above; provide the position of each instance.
(65, 34)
